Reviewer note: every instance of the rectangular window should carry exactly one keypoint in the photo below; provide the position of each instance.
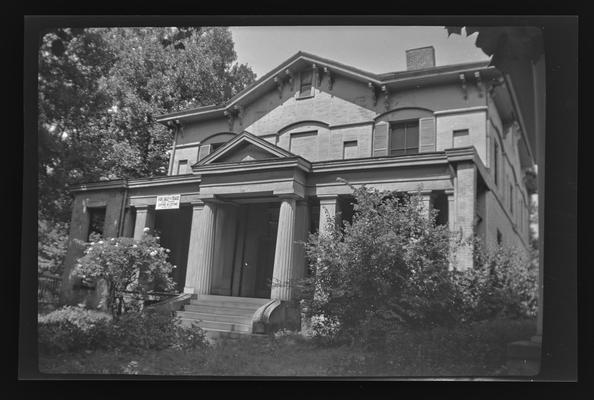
(404, 138)
(350, 149)
(96, 220)
(495, 162)
(460, 138)
(305, 83)
(499, 237)
(182, 166)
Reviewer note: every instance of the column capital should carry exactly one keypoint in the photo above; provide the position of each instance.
(289, 196)
(197, 204)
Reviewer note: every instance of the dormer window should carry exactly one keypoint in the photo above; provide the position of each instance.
(305, 84)
(404, 138)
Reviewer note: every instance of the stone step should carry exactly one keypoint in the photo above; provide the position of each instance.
(241, 319)
(229, 299)
(226, 304)
(219, 326)
(209, 309)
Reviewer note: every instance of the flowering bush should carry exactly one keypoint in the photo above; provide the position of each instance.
(127, 265)
(389, 266)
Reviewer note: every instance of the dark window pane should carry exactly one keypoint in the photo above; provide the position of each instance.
(397, 137)
(96, 220)
(412, 135)
(306, 77)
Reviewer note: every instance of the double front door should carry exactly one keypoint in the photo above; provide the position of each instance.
(244, 254)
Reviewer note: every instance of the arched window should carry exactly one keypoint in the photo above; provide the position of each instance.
(213, 142)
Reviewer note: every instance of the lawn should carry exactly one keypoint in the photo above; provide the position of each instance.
(473, 350)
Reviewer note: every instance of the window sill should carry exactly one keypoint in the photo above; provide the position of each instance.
(304, 97)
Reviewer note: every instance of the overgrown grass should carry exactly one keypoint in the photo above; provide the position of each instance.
(474, 350)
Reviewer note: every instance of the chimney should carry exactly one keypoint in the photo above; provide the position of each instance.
(423, 57)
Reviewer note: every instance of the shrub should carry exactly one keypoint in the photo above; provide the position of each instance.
(127, 265)
(502, 284)
(152, 330)
(71, 329)
(389, 266)
(74, 329)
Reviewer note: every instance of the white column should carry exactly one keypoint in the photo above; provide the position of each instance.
(145, 218)
(283, 255)
(201, 251)
(328, 210)
(193, 248)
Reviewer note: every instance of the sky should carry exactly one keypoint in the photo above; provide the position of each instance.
(375, 49)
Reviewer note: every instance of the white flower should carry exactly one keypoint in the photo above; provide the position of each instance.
(100, 242)
(134, 246)
(157, 237)
(175, 266)
(153, 253)
(146, 229)
(112, 239)
(167, 250)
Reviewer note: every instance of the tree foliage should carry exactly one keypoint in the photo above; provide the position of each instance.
(100, 90)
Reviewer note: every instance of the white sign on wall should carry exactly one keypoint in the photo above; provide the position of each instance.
(167, 202)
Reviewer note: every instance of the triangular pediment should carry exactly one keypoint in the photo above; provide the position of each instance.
(245, 147)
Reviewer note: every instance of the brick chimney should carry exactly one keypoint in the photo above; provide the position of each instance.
(420, 58)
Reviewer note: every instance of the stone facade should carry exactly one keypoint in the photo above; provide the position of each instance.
(260, 172)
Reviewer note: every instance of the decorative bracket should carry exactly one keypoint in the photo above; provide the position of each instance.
(386, 97)
(464, 88)
(230, 118)
(279, 86)
(319, 74)
(330, 77)
(290, 74)
(479, 83)
(238, 111)
(374, 92)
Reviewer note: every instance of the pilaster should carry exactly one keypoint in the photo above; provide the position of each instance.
(145, 218)
(328, 210)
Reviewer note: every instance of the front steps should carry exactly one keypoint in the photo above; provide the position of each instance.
(221, 316)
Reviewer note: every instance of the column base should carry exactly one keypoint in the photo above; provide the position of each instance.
(189, 290)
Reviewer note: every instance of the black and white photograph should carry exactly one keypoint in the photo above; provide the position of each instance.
(265, 200)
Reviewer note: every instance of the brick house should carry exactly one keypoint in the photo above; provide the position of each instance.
(256, 174)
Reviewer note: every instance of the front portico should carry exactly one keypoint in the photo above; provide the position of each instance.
(250, 222)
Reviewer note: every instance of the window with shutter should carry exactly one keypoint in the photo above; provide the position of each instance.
(404, 138)
(380, 139)
(305, 84)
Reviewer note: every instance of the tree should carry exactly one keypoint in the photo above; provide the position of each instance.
(100, 89)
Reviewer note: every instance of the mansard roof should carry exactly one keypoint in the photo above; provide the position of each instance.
(300, 59)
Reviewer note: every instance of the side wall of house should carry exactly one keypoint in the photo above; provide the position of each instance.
(508, 210)
(112, 202)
